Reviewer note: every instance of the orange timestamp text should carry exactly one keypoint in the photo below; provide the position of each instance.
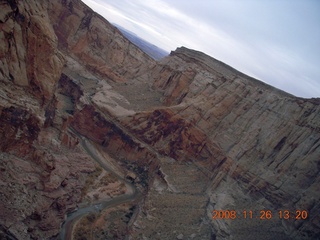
(262, 214)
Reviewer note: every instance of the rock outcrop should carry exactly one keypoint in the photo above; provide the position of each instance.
(191, 133)
(271, 139)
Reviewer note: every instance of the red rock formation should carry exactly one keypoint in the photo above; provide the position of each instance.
(93, 125)
(260, 128)
(19, 129)
(29, 51)
(220, 139)
(95, 42)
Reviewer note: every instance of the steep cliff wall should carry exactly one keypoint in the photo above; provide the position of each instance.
(39, 179)
(271, 137)
(96, 43)
(29, 51)
(44, 172)
(194, 134)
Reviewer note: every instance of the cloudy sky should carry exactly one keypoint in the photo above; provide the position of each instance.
(276, 41)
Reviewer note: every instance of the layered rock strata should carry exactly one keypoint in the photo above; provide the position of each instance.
(45, 173)
(269, 139)
(191, 133)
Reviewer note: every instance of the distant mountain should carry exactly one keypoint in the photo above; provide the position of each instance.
(150, 49)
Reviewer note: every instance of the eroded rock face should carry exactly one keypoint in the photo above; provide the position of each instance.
(191, 133)
(271, 138)
(44, 171)
(115, 140)
(96, 42)
(29, 51)
(19, 129)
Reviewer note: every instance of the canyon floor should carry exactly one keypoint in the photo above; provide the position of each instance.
(101, 141)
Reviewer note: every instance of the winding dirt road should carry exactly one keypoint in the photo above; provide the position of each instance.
(67, 227)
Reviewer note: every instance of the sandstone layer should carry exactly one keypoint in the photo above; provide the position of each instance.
(191, 134)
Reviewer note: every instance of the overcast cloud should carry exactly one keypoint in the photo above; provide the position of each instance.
(277, 42)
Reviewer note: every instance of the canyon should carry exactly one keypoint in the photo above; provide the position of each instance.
(181, 137)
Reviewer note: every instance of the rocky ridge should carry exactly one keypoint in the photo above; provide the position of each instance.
(192, 133)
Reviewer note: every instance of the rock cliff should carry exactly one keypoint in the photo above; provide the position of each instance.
(192, 134)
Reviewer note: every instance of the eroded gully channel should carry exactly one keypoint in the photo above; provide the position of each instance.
(67, 227)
